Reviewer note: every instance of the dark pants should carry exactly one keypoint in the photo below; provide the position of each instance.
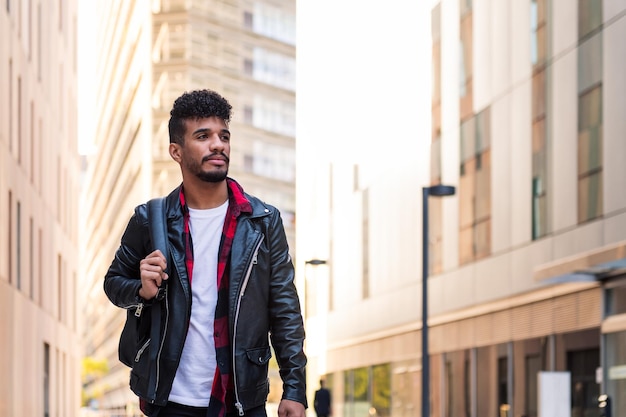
(180, 410)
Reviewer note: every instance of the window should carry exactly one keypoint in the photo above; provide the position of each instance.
(18, 246)
(46, 380)
(357, 392)
(582, 365)
(539, 47)
(10, 236)
(458, 384)
(503, 386)
(273, 22)
(475, 188)
(381, 390)
(532, 365)
(615, 300)
(271, 161)
(274, 69)
(590, 114)
(31, 259)
(60, 286)
(365, 239)
(465, 58)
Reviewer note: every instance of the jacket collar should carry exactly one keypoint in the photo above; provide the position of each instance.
(237, 200)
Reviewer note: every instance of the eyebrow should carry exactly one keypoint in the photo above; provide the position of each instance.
(204, 130)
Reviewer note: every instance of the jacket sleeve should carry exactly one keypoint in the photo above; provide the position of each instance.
(287, 327)
(122, 281)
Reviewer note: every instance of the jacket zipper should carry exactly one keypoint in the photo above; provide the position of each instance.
(241, 293)
(158, 358)
(140, 351)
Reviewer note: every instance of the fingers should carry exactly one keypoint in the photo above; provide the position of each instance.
(152, 272)
(288, 408)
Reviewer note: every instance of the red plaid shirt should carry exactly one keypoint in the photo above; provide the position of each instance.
(222, 390)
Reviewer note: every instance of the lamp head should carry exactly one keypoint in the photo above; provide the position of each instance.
(441, 190)
(315, 262)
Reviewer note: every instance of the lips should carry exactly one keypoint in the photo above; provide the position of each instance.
(216, 159)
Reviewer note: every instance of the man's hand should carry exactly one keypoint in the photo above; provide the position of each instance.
(289, 408)
(152, 273)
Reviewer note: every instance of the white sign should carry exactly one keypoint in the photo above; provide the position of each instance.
(554, 394)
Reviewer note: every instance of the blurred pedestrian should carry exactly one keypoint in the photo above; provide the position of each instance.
(322, 401)
(230, 281)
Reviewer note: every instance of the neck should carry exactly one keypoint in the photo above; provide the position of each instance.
(203, 195)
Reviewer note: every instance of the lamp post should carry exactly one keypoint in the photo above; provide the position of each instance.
(435, 191)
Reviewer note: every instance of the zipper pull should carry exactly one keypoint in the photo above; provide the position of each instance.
(239, 408)
(138, 310)
(255, 260)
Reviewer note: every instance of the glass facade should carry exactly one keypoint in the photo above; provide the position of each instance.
(590, 126)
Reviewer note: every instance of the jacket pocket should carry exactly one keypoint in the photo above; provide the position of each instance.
(259, 356)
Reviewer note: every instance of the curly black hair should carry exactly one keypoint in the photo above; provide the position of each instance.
(196, 104)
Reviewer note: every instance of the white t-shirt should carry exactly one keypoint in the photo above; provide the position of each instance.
(194, 377)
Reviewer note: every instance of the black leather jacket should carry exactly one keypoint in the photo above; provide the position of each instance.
(262, 301)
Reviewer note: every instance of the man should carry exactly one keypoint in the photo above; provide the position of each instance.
(230, 284)
(321, 402)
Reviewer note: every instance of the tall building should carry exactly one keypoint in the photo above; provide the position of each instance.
(149, 54)
(526, 262)
(41, 349)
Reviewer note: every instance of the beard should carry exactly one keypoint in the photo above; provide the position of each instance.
(209, 176)
(213, 176)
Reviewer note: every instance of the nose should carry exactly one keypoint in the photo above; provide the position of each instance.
(216, 144)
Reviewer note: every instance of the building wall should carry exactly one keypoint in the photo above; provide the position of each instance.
(117, 177)
(39, 188)
(495, 302)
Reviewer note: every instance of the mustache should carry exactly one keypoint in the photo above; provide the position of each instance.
(217, 155)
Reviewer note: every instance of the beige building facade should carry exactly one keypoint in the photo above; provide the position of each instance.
(40, 320)
(152, 52)
(526, 261)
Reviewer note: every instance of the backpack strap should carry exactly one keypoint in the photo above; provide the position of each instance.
(157, 219)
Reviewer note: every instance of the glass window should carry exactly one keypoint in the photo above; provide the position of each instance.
(365, 249)
(271, 161)
(275, 115)
(590, 112)
(18, 247)
(589, 16)
(275, 69)
(273, 22)
(465, 58)
(46, 380)
(538, 31)
(616, 300)
(381, 390)
(475, 188)
(458, 384)
(616, 364)
(503, 387)
(486, 400)
(582, 365)
(590, 155)
(532, 367)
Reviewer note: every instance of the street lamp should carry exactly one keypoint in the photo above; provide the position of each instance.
(315, 262)
(435, 191)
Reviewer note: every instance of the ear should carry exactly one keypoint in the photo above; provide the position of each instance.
(175, 152)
